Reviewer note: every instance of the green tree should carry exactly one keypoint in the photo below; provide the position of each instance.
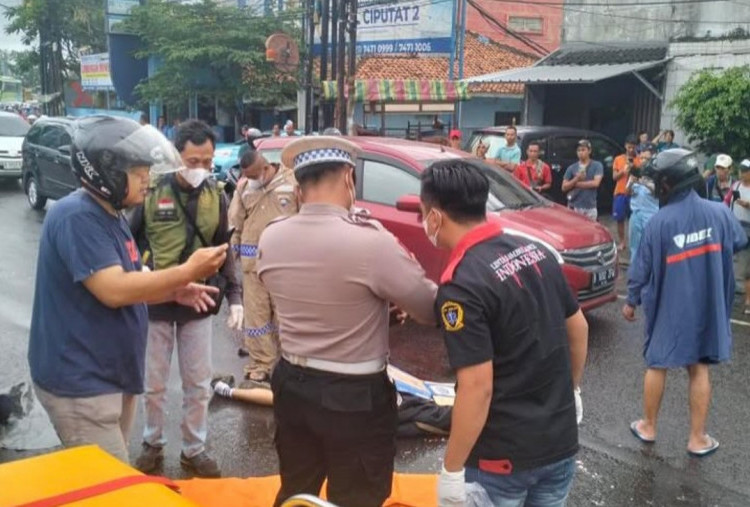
(210, 50)
(58, 30)
(712, 110)
(23, 65)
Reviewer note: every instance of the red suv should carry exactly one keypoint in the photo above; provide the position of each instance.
(388, 186)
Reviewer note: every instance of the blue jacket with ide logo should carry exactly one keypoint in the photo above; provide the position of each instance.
(684, 278)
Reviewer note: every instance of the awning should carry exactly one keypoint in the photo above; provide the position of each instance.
(402, 90)
(564, 74)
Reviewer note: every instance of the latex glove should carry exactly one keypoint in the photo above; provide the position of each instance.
(579, 404)
(236, 317)
(451, 488)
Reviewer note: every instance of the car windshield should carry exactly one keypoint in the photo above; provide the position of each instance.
(494, 142)
(272, 156)
(505, 191)
(226, 151)
(13, 126)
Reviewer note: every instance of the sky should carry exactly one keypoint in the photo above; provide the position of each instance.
(9, 42)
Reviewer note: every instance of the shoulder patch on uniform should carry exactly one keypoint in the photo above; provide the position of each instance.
(361, 216)
(453, 316)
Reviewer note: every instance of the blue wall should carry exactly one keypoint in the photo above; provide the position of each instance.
(476, 113)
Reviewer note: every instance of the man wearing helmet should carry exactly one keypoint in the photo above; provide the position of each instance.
(683, 276)
(88, 327)
(184, 211)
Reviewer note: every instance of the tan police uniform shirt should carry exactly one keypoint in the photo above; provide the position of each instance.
(251, 211)
(331, 276)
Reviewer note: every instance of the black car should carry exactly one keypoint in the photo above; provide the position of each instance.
(46, 170)
(558, 149)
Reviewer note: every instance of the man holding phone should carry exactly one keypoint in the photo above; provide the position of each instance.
(582, 180)
(184, 211)
(89, 321)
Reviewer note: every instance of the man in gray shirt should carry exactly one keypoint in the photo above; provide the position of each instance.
(582, 180)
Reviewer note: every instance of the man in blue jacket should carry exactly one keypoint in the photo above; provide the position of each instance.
(683, 276)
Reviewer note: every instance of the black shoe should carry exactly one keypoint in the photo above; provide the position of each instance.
(150, 459)
(201, 465)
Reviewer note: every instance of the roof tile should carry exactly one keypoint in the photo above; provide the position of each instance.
(481, 56)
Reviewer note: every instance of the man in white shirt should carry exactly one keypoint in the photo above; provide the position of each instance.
(739, 200)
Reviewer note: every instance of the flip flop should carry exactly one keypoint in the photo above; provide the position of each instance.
(637, 434)
(706, 450)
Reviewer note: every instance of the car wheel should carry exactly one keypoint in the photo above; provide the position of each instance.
(36, 200)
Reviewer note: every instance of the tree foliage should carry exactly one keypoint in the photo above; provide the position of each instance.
(75, 25)
(23, 65)
(713, 110)
(211, 50)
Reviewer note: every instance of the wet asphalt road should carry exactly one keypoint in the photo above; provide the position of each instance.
(613, 468)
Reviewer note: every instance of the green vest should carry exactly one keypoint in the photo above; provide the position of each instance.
(166, 224)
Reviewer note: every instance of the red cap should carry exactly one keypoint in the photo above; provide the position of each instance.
(455, 134)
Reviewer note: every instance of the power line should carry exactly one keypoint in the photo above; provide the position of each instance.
(636, 18)
(536, 47)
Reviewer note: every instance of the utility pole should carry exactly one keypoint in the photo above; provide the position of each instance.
(309, 69)
(341, 63)
(323, 120)
(350, 129)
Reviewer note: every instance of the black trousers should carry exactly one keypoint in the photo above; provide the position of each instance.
(340, 427)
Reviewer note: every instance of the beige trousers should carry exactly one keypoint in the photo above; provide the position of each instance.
(103, 420)
(261, 326)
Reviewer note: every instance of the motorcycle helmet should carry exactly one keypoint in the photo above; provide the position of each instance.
(672, 172)
(105, 147)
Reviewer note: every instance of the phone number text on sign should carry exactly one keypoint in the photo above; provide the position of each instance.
(394, 47)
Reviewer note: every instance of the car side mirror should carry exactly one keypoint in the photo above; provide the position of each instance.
(64, 150)
(409, 203)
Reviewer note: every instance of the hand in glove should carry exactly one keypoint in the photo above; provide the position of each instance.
(579, 404)
(236, 317)
(451, 488)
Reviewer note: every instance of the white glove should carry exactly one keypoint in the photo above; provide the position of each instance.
(236, 317)
(579, 404)
(451, 488)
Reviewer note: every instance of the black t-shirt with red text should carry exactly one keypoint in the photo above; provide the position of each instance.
(504, 298)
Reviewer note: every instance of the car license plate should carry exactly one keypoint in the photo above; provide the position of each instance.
(603, 277)
(10, 164)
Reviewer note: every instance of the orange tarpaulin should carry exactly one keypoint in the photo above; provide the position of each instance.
(41, 477)
(409, 490)
(88, 468)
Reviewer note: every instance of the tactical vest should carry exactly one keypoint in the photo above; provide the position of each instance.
(166, 224)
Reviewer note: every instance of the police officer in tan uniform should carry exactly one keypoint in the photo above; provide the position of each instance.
(332, 275)
(265, 193)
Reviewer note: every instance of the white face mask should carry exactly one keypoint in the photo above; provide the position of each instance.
(254, 184)
(195, 177)
(433, 238)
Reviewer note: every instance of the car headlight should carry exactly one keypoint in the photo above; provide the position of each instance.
(530, 237)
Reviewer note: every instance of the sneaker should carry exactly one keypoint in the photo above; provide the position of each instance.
(201, 465)
(150, 459)
(223, 389)
(747, 310)
(220, 377)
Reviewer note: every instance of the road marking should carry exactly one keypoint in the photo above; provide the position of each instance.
(733, 321)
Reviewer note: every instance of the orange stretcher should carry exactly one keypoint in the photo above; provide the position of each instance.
(89, 477)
